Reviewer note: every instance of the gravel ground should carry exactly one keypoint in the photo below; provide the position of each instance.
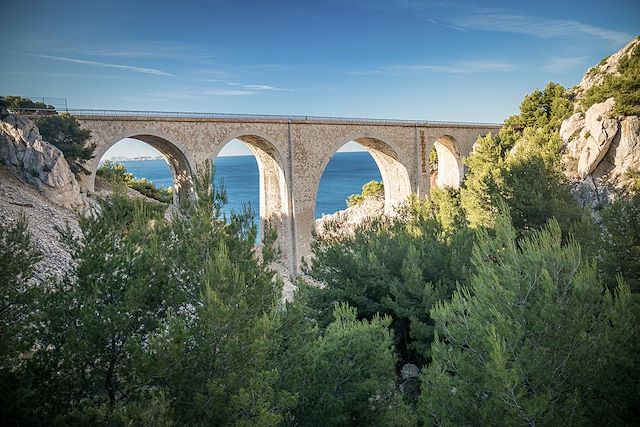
(44, 219)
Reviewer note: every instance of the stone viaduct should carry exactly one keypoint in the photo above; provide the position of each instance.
(292, 153)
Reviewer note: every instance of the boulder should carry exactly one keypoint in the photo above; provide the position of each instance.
(598, 133)
(409, 371)
(626, 153)
(410, 383)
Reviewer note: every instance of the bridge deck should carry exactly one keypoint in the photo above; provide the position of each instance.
(251, 118)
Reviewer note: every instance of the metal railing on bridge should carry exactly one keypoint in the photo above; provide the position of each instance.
(134, 114)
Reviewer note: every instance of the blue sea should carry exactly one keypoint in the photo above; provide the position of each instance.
(345, 174)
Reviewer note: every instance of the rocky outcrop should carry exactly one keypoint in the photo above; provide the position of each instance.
(596, 75)
(589, 136)
(39, 163)
(601, 151)
(345, 221)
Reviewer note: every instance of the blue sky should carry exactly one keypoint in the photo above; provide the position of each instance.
(429, 60)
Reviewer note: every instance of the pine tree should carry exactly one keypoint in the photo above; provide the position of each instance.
(349, 375)
(532, 340)
(398, 268)
(18, 289)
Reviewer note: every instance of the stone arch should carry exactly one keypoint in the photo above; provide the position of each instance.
(395, 175)
(449, 168)
(174, 154)
(274, 191)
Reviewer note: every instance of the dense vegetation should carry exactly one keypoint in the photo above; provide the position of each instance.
(113, 171)
(517, 308)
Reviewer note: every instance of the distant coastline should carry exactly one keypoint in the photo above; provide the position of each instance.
(144, 158)
(134, 158)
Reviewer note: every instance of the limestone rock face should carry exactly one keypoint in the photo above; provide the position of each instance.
(44, 220)
(596, 136)
(601, 149)
(626, 154)
(39, 163)
(600, 152)
(569, 130)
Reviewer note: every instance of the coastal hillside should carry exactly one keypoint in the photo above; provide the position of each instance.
(38, 183)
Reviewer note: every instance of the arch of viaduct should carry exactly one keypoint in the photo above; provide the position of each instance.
(292, 153)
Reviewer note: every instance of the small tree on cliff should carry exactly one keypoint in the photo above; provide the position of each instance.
(371, 188)
(64, 132)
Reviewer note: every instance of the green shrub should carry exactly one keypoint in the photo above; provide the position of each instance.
(398, 267)
(114, 171)
(624, 87)
(371, 188)
(148, 188)
(18, 257)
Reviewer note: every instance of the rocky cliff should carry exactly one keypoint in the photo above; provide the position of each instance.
(37, 183)
(602, 148)
(39, 163)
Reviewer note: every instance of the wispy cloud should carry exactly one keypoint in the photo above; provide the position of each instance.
(63, 75)
(462, 67)
(256, 87)
(199, 93)
(537, 26)
(442, 24)
(557, 64)
(190, 52)
(131, 68)
(228, 92)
